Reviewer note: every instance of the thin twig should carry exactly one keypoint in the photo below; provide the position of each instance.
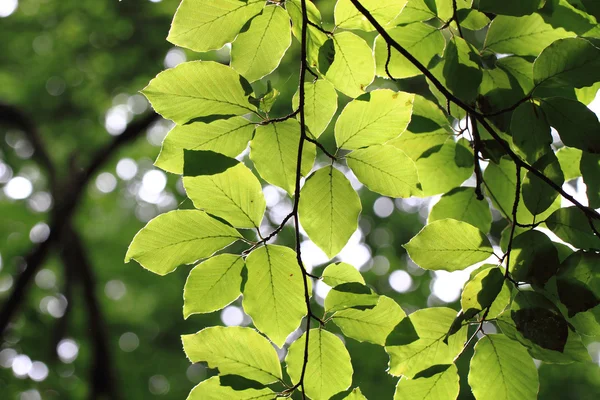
(513, 223)
(320, 146)
(455, 17)
(320, 28)
(476, 152)
(280, 119)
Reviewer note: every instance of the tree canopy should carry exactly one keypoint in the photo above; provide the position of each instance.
(313, 146)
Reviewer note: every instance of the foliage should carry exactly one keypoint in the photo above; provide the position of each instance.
(508, 71)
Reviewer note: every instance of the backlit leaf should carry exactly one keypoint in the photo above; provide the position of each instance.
(234, 350)
(274, 283)
(448, 245)
(328, 371)
(462, 204)
(320, 105)
(329, 209)
(433, 385)
(198, 89)
(179, 237)
(213, 284)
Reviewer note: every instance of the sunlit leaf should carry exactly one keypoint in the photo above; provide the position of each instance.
(328, 371)
(502, 369)
(179, 237)
(410, 356)
(274, 283)
(213, 389)
(198, 89)
(208, 25)
(377, 117)
(572, 226)
(337, 274)
(274, 151)
(329, 209)
(258, 50)
(462, 204)
(350, 295)
(213, 284)
(226, 136)
(441, 382)
(448, 245)
(386, 170)
(384, 11)
(320, 105)
(510, 7)
(371, 325)
(353, 67)
(234, 350)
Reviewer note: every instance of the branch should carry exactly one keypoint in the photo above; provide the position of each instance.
(476, 153)
(13, 116)
(102, 377)
(455, 17)
(320, 146)
(62, 213)
(514, 223)
(589, 212)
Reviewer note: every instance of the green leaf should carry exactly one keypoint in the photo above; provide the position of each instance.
(213, 284)
(501, 180)
(371, 325)
(572, 226)
(337, 274)
(538, 196)
(534, 259)
(423, 41)
(234, 195)
(328, 371)
(329, 209)
(415, 11)
(208, 25)
(350, 295)
(520, 70)
(502, 369)
(353, 67)
(461, 204)
(569, 159)
(539, 320)
(348, 17)
(502, 301)
(226, 136)
(234, 350)
(530, 132)
(590, 170)
(438, 384)
(522, 36)
(212, 389)
(386, 170)
(460, 70)
(510, 7)
(377, 117)
(356, 394)
(444, 167)
(320, 105)
(472, 19)
(569, 62)
(481, 291)
(314, 38)
(578, 282)
(274, 283)
(258, 51)
(448, 245)
(201, 162)
(198, 89)
(274, 151)
(499, 90)
(269, 98)
(179, 237)
(428, 348)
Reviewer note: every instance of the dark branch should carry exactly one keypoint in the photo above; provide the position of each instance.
(102, 377)
(62, 213)
(320, 146)
(455, 17)
(514, 222)
(476, 153)
(13, 116)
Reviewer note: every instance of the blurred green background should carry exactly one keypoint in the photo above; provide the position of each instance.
(90, 326)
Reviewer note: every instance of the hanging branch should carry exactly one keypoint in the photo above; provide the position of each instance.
(13, 116)
(62, 213)
(590, 213)
(102, 376)
(476, 152)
